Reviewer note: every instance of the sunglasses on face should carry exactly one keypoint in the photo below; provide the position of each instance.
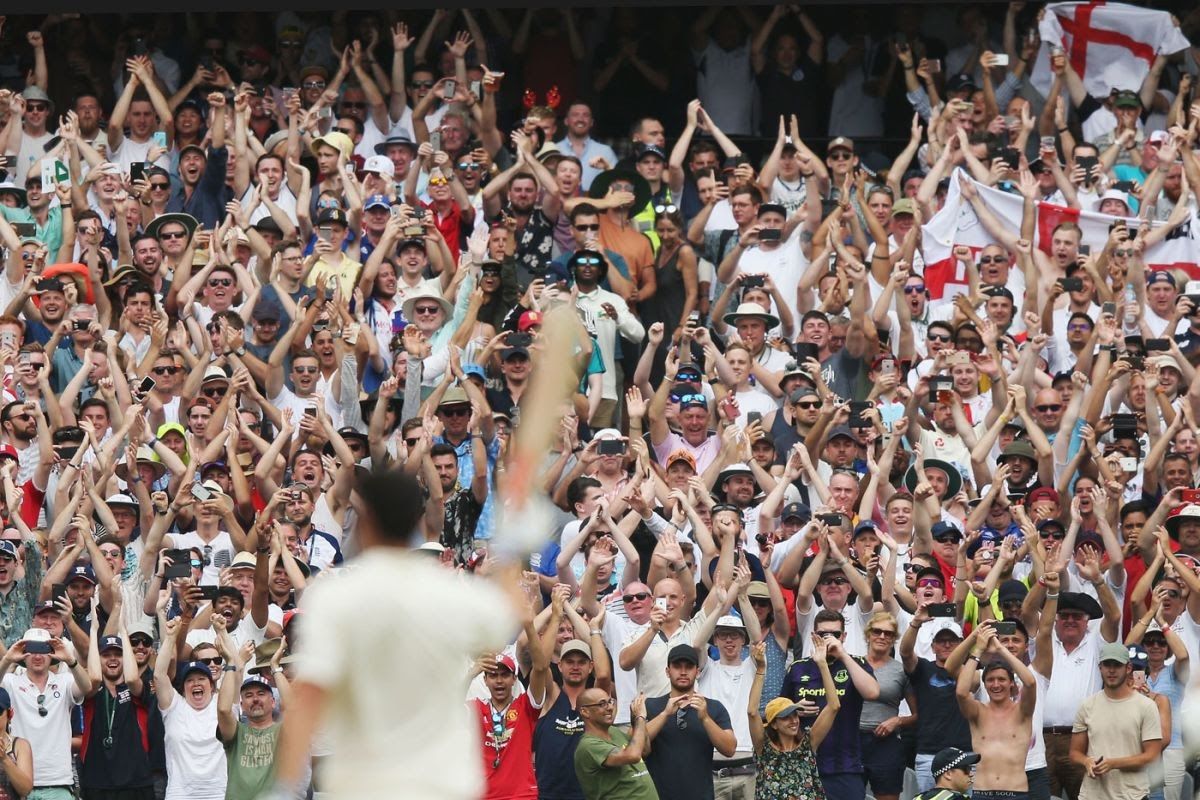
(438, 182)
(636, 596)
(250, 62)
(913, 567)
(1048, 408)
(226, 282)
(993, 259)
(840, 155)
(760, 602)
(459, 411)
(839, 580)
(463, 165)
(590, 261)
(214, 661)
(140, 641)
(172, 234)
(160, 186)
(947, 537)
(36, 107)
(595, 226)
(808, 405)
(929, 582)
(915, 289)
(937, 337)
(426, 309)
(1079, 328)
(165, 370)
(692, 398)
(216, 391)
(882, 632)
(305, 370)
(421, 85)
(1057, 535)
(314, 84)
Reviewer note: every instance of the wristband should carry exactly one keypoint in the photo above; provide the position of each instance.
(276, 670)
(229, 668)
(73, 666)
(1051, 596)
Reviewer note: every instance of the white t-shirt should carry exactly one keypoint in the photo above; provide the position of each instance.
(616, 631)
(730, 684)
(195, 757)
(286, 201)
(217, 554)
(723, 78)
(418, 666)
(855, 642)
(246, 631)
(289, 399)
(49, 736)
(785, 264)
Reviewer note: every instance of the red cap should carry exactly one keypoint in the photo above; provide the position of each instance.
(1041, 493)
(8, 451)
(258, 53)
(505, 660)
(528, 320)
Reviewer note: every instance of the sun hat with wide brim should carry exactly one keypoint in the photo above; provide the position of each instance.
(145, 455)
(752, 310)
(954, 479)
(188, 222)
(641, 189)
(411, 301)
(335, 139)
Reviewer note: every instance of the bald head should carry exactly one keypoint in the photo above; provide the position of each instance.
(590, 696)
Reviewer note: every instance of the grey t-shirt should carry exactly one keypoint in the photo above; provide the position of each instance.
(893, 683)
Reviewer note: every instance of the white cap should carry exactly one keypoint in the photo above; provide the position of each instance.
(731, 621)
(381, 164)
(1112, 194)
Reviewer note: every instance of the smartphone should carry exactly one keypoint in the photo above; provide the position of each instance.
(449, 87)
(59, 590)
(1158, 345)
(1109, 308)
(660, 602)
(804, 351)
(753, 417)
(325, 233)
(418, 212)
(160, 139)
(1085, 249)
(1005, 627)
(145, 386)
(941, 609)
(138, 48)
(137, 171)
(181, 564)
(753, 281)
(1124, 186)
(935, 66)
(1000, 60)
(832, 520)
(770, 235)
(325, 112)
(209, 593)
(1011, 156)
(1130, 464)
(693, 319)
(857, 407)
(1136, 362)
(887, 366)
(1071, 284)
(610, 447)
(435, 140)
(24, 358)
(24, 230)
(477, 89)
(1188, 495)
(200, 492)
(1089, 164)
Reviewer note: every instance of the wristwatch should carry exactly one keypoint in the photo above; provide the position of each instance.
(229, 668)
(241, 351)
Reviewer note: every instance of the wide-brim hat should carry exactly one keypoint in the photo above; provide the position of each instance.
(641, 188)
(954, 480)
(411, 301)
(732, 470)
(189, 223)
(145, 455)
(752, 310)
(335, 139)
(1018, 448)
(1187, 513)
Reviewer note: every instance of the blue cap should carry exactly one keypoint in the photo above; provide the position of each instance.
(8, 548)
(255, 680)
(474, 369)
(796, 511)
(377, 201)
(1160, 276)
(111, 643)
(865, 525)
(188, 667)
(82, 572)
(939, 529)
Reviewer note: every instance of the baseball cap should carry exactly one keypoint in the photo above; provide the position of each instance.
(796, 511)
(651, 150)
(779, 707)
(575, 646)
(331, 216)
(37, 641)
(188, 667)
(681, 455)
(377, 201)
(1114, 651)
(904, 206)
(381, 165)
(82, 572)
(528, 320)
(683, 652)
(1127, 98)
(252, 681)
(111, 643)
(959, 82)
(506, 661)
(758, 589)
(1160, 276)
(840, 142)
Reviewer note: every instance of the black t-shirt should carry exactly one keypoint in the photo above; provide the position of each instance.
(115, 733)
(940, 723)
(681, 756)
(784, 94)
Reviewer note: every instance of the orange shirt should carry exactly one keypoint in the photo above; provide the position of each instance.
(631, 243)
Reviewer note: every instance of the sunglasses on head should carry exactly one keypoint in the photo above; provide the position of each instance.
(665, 209)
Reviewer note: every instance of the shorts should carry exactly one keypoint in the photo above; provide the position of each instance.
(883, 762)
(997, 794)
(844, 786)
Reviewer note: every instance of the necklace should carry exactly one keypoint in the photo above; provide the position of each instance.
(110, 706)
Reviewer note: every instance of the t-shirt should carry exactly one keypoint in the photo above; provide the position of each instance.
(195, 758)
(840, 751)
(730, 684)
(940, 723)
(681, 756)
(50, 735)
(893, 683)
(1116, 729)
(507, 757)
(652, 671)
(429, 749)
(251, 757)
(627, 782)
(217, 554)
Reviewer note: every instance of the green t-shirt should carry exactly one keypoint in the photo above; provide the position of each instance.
(629, 782)
(251, 758)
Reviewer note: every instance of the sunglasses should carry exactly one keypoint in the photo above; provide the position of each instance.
(590, 261)
(1056, 535)
(412, 442)
(41, 703)
(157, 186)
(250, 62)
(840, 155)
(665, 209)
(829, 634)
(839, 580)
(165, 370)
(915, 289)
(929, 582)
(1123, 252)
(593, 227)
(883, 632)
(1079, 327)
(215, 391)
(314, 84)
(469, 167)
(948, 537)
(808, 404)
(226, 282)
(438, 181)
(421, 85)
(692, 398)
(458, 411)
(172, 234)
(426, 309)
(214, 661)
(1048, 408)
(305, 370)
(993, 260)
(141, 641)
(1173, 594)
(760, 602)
(936, 337)
(637, 596)
(35, 106)
(913, 567)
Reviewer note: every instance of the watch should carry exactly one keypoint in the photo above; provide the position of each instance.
(229, 668)
(241, 351)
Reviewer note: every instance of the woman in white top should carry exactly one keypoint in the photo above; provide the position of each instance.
(196, 766)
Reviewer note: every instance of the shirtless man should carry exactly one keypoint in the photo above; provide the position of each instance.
(1001, 728)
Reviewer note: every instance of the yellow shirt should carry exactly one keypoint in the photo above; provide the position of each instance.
(346, 272)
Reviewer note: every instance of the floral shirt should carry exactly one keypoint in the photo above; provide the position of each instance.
(786, 775)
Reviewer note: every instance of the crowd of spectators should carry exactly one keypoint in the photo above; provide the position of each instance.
(828, 521)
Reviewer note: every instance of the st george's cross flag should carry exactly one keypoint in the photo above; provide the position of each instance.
(956, 224)
(1109, 45)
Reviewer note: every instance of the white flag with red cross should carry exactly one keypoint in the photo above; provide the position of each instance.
(956, 224)
(1109, 45)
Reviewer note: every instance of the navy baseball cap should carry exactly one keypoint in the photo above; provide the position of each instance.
(82, 572)
(111, 643)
